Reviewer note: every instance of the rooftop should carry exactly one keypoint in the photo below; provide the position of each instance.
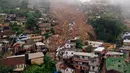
(85, 54)
(99, 49)
(125, 48)
(14, 60)
(35, 55)
(114, 53)
(126, 41)
(16, 56)
(40, 44)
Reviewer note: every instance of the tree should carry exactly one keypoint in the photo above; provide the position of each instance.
(24, 4)
(5, 69)
(107, 27)
(79, 43)
(16, 28)
(31, 22)
(89, 49)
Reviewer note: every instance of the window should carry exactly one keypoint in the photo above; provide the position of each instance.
(125, 71)
(93, 67)
(66, 69)
(92, 61)
(83, 57)
(119, 66)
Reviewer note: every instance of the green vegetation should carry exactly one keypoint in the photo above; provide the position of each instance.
(32, 18)
(18, 7)
(79, 43)
(47, 35)
(47, 67)
(107, 27)
(5, 69)
(107, 21)
(16, 28)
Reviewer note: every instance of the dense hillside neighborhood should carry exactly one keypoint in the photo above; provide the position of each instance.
(63, 36)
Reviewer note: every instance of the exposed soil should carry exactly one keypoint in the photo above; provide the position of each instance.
(67, 13)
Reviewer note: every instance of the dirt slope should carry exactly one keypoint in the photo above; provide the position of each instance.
(69, 12)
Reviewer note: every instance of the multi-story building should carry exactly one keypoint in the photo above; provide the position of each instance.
(88, 62)
(94, 43)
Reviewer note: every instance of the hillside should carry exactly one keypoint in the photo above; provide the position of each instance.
(67, 13)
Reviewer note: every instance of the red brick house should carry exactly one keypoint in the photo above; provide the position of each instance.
(18, 63)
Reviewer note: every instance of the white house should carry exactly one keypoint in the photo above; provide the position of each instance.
(126, 42)
(94, 43)
(69, 70)
(68, 54)
(113, 54)
(99, 49)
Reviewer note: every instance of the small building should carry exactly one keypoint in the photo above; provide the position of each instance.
(126, 36)
(99, 50)
(6, 33)
(113, 54)
(39, 46)
(68, 54)
(18, 63)
(94, 43)
(126, 42)
(109, 46)
(68, 70)
(126, 51)
(10, 17)
(35, 37)
(36, 58)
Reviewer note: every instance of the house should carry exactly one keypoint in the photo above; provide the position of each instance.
(126, 42)
(86, 61)
(72, 43)
(23, 37)
(126, 36)
(3, 14)
(109, 46)
(63, 68)
(45, 27)
(36, 58)
(6, 33)
(100, 50)
(40, 46)
(113, 54)
(94, 43)
(35, 37)
(126, 39)
(21, 47)
(18, 63)
(126, 51)
(10, 17)
(68, 54)
(4, 26)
